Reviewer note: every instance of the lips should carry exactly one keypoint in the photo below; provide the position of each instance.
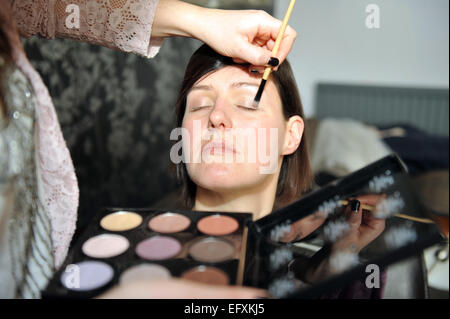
(218, 147)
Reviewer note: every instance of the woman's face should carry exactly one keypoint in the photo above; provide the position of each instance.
(232, 144)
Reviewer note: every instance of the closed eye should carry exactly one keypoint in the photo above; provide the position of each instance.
(247, 108)
(196, 108)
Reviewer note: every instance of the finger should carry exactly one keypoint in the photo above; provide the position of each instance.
(375, 224)
(207, 291)
(371, 231)
(354, 213)
(246, 293)
(270, 45)
(371, 199)
(253, 54)
(239, 61)
(286, 44)
(256, 69)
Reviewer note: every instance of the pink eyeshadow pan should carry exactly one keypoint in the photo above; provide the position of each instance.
(169, 223)
(105, 246)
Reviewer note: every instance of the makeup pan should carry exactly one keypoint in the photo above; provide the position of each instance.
(217, 225)
(87, 275)
(105, 246)
(212, 250)
(121, 221)
(144, 272)
(206, 275)
(169, 223)
(158, 248)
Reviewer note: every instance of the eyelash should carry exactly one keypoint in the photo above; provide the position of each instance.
(199, 108)
(247, 108)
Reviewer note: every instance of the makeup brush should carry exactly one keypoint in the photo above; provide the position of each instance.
(274, 54)
(416, 219)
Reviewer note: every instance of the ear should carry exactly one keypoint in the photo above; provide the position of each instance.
(294, 133)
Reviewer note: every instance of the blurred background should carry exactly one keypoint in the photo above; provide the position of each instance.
(366, 92)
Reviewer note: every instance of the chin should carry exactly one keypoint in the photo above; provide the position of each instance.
(221, 178)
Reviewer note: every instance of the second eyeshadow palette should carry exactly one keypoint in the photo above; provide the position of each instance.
(125, 245)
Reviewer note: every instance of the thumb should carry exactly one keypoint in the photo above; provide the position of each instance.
(253, 54)
(354, 213)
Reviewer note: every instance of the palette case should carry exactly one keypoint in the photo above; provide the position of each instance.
(230, 269)
(272, 265)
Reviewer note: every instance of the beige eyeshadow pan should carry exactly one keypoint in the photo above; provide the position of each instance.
(211, 250)
(121, 221)
(144, 272)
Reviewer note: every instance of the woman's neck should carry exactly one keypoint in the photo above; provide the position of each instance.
(258, 201)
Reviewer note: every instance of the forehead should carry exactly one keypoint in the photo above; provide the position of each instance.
(233, 77)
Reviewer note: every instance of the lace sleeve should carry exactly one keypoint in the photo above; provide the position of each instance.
(117, 24)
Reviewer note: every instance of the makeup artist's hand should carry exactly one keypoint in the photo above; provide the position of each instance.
(180, 289)
(335, 258)
(364, 227)
(303, 228)
(245, 35)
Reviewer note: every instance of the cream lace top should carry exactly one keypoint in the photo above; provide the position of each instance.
(121, 24)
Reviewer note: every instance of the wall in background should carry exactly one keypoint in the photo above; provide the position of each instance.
(411, 47)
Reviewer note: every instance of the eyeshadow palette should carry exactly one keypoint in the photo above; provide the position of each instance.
(125, 245)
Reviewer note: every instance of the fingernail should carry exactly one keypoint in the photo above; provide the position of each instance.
(274, 62)
(354, 205)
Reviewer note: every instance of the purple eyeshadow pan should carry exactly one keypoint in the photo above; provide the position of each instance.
(158, 248)
(87, 275)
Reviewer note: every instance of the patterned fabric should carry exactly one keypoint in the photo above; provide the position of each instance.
(117, 24)
(26, 262)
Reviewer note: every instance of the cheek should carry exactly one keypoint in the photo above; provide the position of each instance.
(271, 137)
(187, 128)
(192, 140)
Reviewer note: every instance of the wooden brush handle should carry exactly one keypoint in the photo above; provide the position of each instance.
(280, 37)
(283, 28)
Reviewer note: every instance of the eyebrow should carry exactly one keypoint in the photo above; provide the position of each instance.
(234, 85)
(241, 84)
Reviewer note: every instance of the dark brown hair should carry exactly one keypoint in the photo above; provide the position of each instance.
(295, 176)
(7, 28)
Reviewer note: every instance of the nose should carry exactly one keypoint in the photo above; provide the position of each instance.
(219, 116)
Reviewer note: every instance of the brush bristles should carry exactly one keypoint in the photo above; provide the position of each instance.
(259, 94)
